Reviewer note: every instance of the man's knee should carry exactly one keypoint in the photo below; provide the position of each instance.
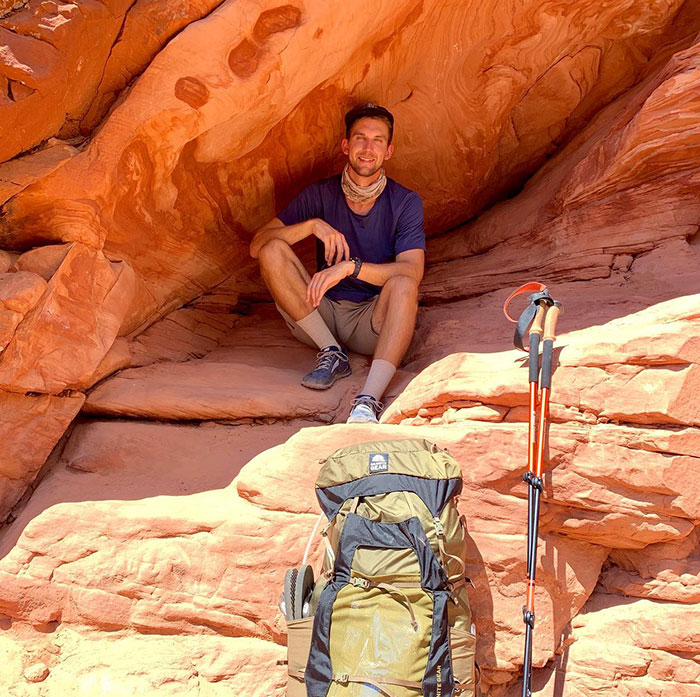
(273, 252)
(403, 287)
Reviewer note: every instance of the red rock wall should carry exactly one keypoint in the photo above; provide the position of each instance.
(64, 63)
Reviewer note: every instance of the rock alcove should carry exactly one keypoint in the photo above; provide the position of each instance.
(158, 453)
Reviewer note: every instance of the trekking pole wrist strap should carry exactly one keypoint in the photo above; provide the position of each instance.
(539, 296)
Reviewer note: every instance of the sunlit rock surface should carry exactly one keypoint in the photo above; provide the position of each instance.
(147, 556)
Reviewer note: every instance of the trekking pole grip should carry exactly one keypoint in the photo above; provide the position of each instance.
(538, 323)
(550, 326)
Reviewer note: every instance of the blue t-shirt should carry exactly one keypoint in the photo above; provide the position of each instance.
(393, 225)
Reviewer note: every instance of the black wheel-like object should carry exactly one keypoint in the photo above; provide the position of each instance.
(304, 588)
(290, 584)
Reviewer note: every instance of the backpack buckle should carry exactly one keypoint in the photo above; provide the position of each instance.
(439, 527)
(342, 678)
(359, 582)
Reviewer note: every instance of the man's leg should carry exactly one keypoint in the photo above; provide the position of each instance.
(394, 319)
(287, 280)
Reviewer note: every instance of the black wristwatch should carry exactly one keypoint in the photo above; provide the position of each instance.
(358, 265)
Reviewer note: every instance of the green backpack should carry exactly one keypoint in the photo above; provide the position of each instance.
(390, 614)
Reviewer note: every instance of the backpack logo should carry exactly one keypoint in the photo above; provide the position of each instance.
(378, 462)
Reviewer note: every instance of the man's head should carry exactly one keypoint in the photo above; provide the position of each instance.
(369, 130)
(369, 111)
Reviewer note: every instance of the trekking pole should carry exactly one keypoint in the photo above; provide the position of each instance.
(533, 317)
(534, 481)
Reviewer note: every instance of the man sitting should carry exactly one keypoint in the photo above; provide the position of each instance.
(370, 252)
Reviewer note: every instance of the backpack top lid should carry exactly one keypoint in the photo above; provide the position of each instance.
(376, 467)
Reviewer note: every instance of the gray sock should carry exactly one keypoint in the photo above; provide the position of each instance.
(379, 377)
(317, 330)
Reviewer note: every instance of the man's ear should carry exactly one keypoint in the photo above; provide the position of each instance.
(389, 152)
(345, 145)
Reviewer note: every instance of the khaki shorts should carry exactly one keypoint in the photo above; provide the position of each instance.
(349, 322)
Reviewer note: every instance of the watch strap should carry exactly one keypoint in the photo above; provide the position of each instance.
(358, 265)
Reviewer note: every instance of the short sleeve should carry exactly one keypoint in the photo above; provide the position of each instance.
(410, 233)
(305, 205)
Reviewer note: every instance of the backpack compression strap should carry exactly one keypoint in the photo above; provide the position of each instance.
(377, 682)
(540, 294)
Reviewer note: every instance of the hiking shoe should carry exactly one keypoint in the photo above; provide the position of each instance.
(365, 410)
(332, 364)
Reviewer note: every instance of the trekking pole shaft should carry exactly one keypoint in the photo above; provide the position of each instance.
(527, 663)
(529, 609)
(530, 602)
(542, 431)
(536, 330)
(534, 360)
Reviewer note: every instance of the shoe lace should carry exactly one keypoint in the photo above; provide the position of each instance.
(369, 401)
(326, 358)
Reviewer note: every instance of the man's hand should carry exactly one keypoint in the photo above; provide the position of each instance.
(334, 242)
(323, 280)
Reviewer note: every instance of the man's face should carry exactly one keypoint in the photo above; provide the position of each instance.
(368, 146)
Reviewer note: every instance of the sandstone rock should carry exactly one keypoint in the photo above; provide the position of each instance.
(211, 665)
(187, 333)
(93, 584)
(146, 29)
(668, 571)
(83, 306)
(11, 654)
(105, 460)
(476, 324)
(30, 427)
(65, 62)
(38, 672)
(43, 261)
(117, 358)
(19, 292)
(208, 390)
(631, 648)
(233, 380)
(6, 260)
(19, 173)
(45, 79)
(606, 170)
(132, 664)
(643, 371)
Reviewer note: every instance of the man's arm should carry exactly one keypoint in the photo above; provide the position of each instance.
(277, 230)
(335, 245)
(408, 263)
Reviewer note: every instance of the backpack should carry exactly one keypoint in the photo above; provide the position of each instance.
(390, 614)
